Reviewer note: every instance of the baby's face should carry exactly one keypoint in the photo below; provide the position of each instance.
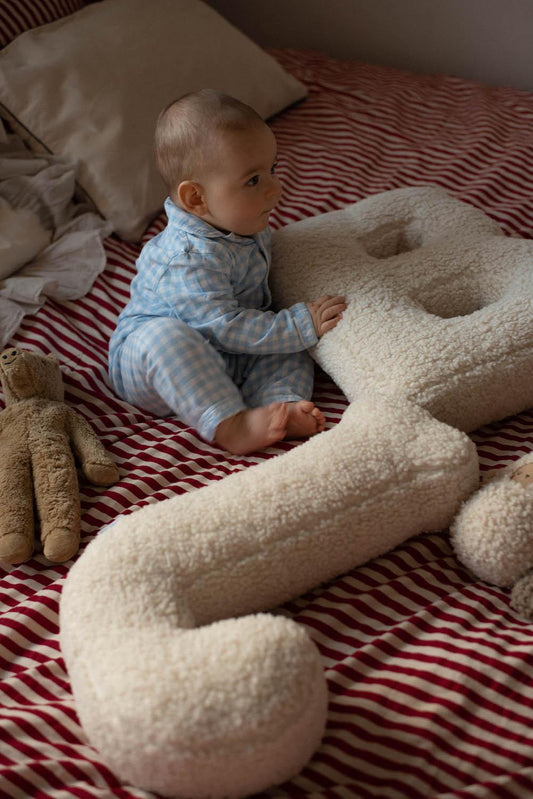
(524, 474)
(242, 188)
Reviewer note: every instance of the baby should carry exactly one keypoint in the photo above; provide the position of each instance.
(197, 338)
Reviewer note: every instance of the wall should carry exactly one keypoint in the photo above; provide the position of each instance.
(487, 40)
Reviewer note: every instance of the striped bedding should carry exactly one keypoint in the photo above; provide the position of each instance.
(430, 672)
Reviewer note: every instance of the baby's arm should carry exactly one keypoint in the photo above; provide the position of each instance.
(203, 296)
(326, 312)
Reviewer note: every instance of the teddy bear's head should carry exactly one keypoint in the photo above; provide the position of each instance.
(27, 374)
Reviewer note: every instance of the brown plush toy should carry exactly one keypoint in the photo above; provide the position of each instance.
(38, 477)
(493, 532)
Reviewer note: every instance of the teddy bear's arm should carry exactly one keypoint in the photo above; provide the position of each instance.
(96, 464)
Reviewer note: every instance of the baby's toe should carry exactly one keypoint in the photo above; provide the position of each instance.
(319, 418)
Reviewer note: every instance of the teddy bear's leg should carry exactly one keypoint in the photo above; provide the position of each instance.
(96, 465)
(16, 508)
(56, 489)
(522, 596)
(493, 533)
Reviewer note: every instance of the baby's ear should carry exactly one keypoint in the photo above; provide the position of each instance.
(191, 197)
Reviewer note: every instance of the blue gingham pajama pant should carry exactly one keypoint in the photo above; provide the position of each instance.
(167, 367)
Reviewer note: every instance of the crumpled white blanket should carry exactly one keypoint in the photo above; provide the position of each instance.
(50, 246)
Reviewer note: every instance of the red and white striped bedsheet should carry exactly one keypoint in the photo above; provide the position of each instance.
(430, 672)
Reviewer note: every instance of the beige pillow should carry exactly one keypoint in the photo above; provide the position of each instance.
(90, 87)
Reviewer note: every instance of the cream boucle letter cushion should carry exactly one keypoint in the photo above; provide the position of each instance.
(181, 691)
(440, 302)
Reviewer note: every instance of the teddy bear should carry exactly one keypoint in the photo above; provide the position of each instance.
(493, 532)
(39, 436)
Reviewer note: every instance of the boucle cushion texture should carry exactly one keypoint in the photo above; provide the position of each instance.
(184, 704)
(180, 691)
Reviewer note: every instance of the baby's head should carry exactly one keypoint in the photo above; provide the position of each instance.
(218, 158)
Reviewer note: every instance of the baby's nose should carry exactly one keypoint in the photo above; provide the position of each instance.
(274, 188)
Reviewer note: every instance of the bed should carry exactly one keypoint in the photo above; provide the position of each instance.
(428, 669)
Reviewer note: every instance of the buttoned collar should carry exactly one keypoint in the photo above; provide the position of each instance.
(192, 224)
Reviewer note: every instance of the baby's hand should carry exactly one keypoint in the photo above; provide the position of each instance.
(326, 312)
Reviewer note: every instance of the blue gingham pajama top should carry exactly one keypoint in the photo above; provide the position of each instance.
(196, 339)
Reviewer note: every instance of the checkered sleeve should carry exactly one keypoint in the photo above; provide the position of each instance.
(204, 297)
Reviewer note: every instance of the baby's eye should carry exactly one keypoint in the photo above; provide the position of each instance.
(253, 181)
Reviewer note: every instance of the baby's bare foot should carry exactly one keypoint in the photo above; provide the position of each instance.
(305, 419)
(253, 429)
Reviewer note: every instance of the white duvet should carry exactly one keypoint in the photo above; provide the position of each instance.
(50, 245)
